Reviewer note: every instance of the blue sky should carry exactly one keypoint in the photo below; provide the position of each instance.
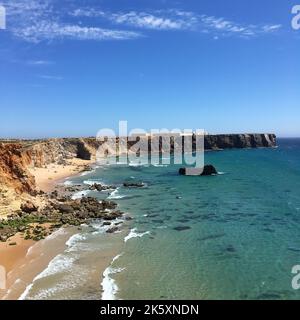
(70, 68)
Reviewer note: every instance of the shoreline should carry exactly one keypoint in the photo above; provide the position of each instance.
(26, 259)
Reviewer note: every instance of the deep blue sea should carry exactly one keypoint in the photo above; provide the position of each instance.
(231, 236)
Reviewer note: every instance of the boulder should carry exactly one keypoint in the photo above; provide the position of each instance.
(112, 230)
(133, 184)
(29, 207)
(100, 187)
(208, 170)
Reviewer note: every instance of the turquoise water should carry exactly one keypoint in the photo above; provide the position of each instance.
(231, 236)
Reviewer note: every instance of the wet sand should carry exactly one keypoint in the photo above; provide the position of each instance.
(26, 260)
(21, 267)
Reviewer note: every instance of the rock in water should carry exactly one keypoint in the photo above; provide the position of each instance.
(208, 170)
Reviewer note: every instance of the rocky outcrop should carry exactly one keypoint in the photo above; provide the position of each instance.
(229, 141)
(17, 156)
(57, 213)
(133, 184)
(13, 168)
(208, 170)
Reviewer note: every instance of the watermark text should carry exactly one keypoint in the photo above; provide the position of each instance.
(296, 18)
(2, 18)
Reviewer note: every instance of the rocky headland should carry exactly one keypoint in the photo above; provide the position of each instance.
(30, 168)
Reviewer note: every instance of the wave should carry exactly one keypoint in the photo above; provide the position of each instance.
(160, 165)
(75, 239)
(221, 173)
(59, 264)
(108, 284)
(85, 173)
(93, 181)
(115, 195)
(133, 164)
(68, 183)
(134, 234)
(80, 194)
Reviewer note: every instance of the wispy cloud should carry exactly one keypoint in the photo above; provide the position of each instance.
(36, 21)
(225, 27)
(52, 30)
(158, 20)
(39, 62)
(48, 77)
(151, 21)
(174, 19)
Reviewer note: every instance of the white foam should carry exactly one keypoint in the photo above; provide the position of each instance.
(85, 173)
(75, 239)
(115, 195)
(134, 234)
(134, 164)
(92, 182)
(108, 284)
(221, 173)
(59, 264)
(80, 194)
(68, 183)
(25, 293)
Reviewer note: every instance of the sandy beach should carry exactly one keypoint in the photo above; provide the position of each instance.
(47, 178)
(20, 266)
(27, 259)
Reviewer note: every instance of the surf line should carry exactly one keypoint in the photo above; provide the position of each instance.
(111, 310)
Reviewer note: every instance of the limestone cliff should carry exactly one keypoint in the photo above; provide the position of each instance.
(13, 168)
(17, 156)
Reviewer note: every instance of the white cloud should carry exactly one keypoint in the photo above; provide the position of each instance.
(272, 28)
(174, 19)
(227, 28)
(39, 62)
(52, 30)
(150, 21)
(47, 77)
(36, 21)
(90, 12)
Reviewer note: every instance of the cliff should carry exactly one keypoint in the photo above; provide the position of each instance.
(16, 157)
(229, 141)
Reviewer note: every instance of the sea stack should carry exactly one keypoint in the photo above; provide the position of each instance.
(208, 170)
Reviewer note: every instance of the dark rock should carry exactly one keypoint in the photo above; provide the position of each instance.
(100, 187)
(230, 249)
(112, 230)
(113, 215)
(181, 228)
(29, 207)
(65, 208)
(133, 184)
(208, 170)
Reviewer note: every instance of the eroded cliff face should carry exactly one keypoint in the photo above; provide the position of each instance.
(16, 158)
(226, 141)
(13, 168)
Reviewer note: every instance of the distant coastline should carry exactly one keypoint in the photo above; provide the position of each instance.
(39, 165)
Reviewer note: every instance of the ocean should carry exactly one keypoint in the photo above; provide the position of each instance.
(230, 236)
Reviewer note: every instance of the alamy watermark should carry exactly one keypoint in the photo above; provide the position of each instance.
(2, 278)
(2, 17)
(296, 18)
(155, 147)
